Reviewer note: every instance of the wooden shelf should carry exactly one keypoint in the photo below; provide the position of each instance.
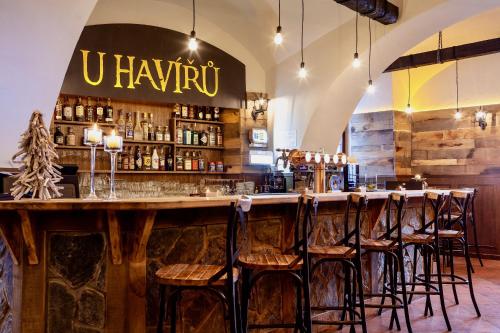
(82, 123)
(154, 172)
(199, 147)
(76, 147)
(147, 142)
(210, 122)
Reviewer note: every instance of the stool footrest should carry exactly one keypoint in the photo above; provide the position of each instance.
(337, 322)
(277, 325)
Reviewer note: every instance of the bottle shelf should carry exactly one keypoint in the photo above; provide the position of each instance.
(147, 142)
(199, 147)
(154, 172)
(210, 122)
(76, 147)
(82, 123)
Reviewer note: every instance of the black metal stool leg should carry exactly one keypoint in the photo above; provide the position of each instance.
(440, 286)
(414, 272)
(361, 294)
(299, 320)
(231, 304)
(161, 312)
(245, 298)
(476, 242)
(384, 289)
(469, 276)
(307, 295)
(392, 290)
(427, 255)
(173, 314)
(347, 299)
(404, 295)
(452, 271)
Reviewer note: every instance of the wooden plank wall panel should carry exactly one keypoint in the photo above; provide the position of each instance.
(372, 142)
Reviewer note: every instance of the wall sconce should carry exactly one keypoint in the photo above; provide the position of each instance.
(259, 106)
(480, 118)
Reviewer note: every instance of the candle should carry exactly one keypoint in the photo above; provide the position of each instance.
(113, 141)
(94, 135)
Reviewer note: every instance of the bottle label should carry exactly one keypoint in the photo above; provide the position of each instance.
(99, 111)
(60, 140)
(138, 163)
(68, 112)
(204, 139)
(70, 140)
(155, 163)
(79, 111)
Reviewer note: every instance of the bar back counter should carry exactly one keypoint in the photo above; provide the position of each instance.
(71, 265)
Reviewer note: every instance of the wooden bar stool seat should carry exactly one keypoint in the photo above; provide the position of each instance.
(378, 244)
(332, 252)
(274, 261)
(418, 238)
(448, 233)
(192, 275)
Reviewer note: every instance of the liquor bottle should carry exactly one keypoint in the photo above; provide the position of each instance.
(216, 113)
(201, 112)
(159, 134)
(151, 128)
(131, 159)
(179, 162)
(212, 140)
(195, 134)
(121, 124)
(219, 137)
(125, 160)
(161, 160)
(147, 159)
(129, 127)
(79, 112)
(99, 112)
(177, 111)
(191, 112)
(201, 162)
(195, 162)
(138, 158)
(155, 160)
(208, 113)
(109, 112)
(58, 110)
(166, 134)
(169, 160)
(184, 111)
(58, 136)
(179, 135)
(119, 161)
(89, 112)
(70, 137)
(187, 136)
(138, 127)
(187, 161)
(145, 126)
(67, 110)
(203, 138)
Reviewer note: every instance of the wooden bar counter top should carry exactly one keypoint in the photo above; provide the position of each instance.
(87, 266)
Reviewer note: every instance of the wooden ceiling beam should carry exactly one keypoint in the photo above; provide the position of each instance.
(453, 53)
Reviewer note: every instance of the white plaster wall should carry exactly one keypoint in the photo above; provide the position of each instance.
(37, 40)
(382, 100)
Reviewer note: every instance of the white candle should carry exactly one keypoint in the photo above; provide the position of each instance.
(94, 135)
(113, 142)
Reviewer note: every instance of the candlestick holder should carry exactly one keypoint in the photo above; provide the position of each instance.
(113, 144)
(92, 137)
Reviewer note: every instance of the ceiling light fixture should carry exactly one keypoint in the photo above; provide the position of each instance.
(302, 69)
(408, 109)
(480, 118)
(371, 88)
(278, 37)
(193, 43)
(458, 113)
(356, 63)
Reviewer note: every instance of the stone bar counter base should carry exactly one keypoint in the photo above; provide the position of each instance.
(88, 267)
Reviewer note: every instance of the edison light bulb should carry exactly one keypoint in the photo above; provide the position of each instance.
(458, 115)
(193, 43)
(278, 37)
(302, 71)
(408, 109)
(326, 157)
(317, 158)
(371, 88)
(308, 157)
(356, 63)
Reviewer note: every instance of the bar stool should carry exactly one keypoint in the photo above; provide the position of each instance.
(347, 251)
(454, 230)
(256, 266)
(425, 241)
(219, 280)
(390, 244)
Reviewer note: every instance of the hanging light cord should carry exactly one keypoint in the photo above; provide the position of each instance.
(409, 86)
(357, 16)
(302, 34)
(194, 15)
(456, 79)
(370, 50)
(279, 13)
(440, 47)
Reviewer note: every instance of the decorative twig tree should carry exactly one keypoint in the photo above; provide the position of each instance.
(38, 173)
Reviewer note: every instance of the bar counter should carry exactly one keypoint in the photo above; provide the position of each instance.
(73, 265)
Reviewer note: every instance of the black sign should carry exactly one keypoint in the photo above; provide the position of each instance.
(142, 63)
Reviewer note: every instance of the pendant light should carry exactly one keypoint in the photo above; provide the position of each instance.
(302, 69)
(278, 37)
(408, 108)
(356, 63)
(193, 42)
(458, 113)
(371, 88)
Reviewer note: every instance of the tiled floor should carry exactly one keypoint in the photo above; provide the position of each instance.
(462, 317)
